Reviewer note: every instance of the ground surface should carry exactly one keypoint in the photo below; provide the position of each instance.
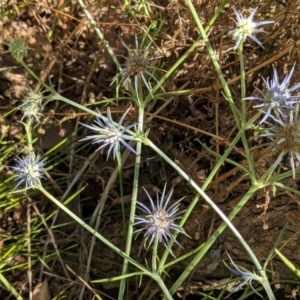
(64, 46)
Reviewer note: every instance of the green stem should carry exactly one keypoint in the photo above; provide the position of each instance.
(154, 255)
(208, 200)
(210, 242)
(92, 231)
(164, 289)
(106, 242)
(12, 290)
(239, 121)
(187, 53)
(215, 62)
(133, 203)
(27, 127)
(55, 95)
(244, 111)
(268, 173)
(119, 167)
(210, 177)
(101, 36)
(243, 80)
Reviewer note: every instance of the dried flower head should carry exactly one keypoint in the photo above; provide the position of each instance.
(246, 27)
(109, 134)
(29, 170)
(246, 275)
(137, 65)
(159, 219)
(277, 97)
(285, 140)
(32, 105)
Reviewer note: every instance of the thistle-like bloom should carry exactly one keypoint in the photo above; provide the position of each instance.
(17, 47)
(159, 219)
(138, 65)
(247, 277)
(285, 140)
(277, 96)
(109, 134)
(32, 105)
(29, 170)
(246, 27)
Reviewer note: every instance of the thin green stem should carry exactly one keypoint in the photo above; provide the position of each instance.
(106, 242)
(187, 53)
(92, 231)
(164, 289)
(98, 31)
(243, 81)
(119, 167)
(154, 255)
(240, 121)
(12, 290)
(215, 62)
(210, 177)
(271, 169)
(133, 203)
(244, 111)
(27, 127)
(288, 263)
(210, 242)
(208, 200)
(55, 95)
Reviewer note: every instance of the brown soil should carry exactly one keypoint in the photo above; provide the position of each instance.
(64, 47)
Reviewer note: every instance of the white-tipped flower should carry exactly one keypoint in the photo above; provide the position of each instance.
(246, 27)
(159, 219)
(29, 170)
(110, 135)
(277, 96)
(32, 105)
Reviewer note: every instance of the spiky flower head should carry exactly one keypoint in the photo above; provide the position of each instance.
(246, 27)
(110, 135)
(17, 47)
(137, 65)
(277, 97)
(29, 170)
(246, 275)
(159, 219)
(32, 105)
(285, 140)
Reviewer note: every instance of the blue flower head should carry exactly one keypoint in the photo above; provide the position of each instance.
(159, 219)
(277, 97)
(110, 135)
(246, 27)
(29, 170)
(246, 275)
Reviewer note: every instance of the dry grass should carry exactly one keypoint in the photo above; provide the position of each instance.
(64, 47)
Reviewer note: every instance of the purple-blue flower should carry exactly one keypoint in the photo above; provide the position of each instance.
(110, 135)
(277, 97)
(159, 219)
(246, 275)
(29, 170)
(246, 27)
